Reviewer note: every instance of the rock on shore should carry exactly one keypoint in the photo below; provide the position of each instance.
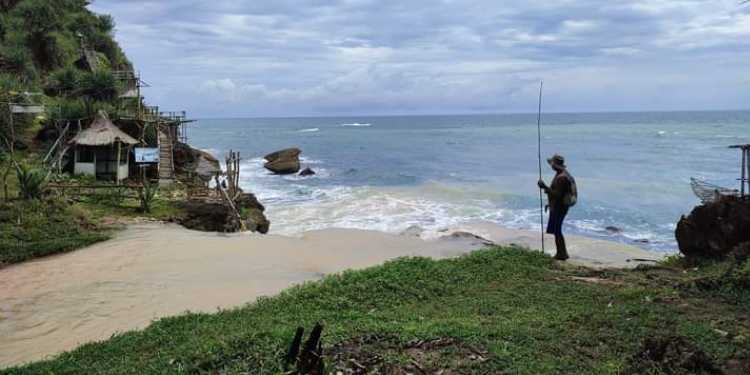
(194, 161)
(713, 230)
(284, 161)
(215, 216)
(255, 219)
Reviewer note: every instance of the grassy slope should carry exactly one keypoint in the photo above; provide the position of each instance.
(38, 40)
(525, 310)
(31, 229)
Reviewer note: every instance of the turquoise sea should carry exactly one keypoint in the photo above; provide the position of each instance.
(390, 173)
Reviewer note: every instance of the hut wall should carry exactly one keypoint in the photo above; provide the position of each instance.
(83, 165)
(122, 171)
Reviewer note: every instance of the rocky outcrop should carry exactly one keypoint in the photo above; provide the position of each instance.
(209, 217)
(713, 230)
(188, 160)
(215, 216)
(253, 213)
(284, 161)
(307, 172)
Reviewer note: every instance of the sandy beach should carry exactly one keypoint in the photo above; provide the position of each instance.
(151, 271)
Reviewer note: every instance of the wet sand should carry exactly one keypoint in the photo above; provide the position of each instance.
(155, 270)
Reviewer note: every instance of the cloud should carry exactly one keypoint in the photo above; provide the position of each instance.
(321, 57)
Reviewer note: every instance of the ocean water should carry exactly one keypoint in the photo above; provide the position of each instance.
(390, 173)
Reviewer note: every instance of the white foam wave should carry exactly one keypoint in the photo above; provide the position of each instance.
(310, 130)
(297, 204)
(356, 125)
(368, 208)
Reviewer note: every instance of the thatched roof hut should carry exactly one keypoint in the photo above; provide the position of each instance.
(102, 132)
(102, 150)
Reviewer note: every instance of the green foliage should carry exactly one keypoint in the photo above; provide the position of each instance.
(100, 85)
(151, 134)
(39, 17)
(532, 316)
(67, 108)
(39, 36)
(110, 197)
(35, 228)
(31, 181)
(106, 23)
(18, 59)
(147, 195)
(64, 81)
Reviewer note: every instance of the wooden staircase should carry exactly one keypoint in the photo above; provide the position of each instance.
(166, 160)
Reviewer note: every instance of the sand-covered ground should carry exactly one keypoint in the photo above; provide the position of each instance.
(155, 270)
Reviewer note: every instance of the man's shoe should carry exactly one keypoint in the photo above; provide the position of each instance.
(561, 257)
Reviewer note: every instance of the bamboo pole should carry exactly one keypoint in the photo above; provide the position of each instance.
(117, 165)
(539, 149)
(744, 177)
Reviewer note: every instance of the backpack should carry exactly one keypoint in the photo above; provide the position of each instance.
(571, 198)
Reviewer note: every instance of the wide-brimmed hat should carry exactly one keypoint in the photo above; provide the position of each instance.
(557, 160)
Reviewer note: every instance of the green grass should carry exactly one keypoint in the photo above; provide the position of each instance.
(32, 229)
(530, 314)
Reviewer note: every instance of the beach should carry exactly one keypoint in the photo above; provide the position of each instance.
(154, 270)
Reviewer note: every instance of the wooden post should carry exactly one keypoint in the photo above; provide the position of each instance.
(743, 173)
(117, 165)
(138, 94)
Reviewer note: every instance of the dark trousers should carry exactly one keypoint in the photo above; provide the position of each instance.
(554, 226)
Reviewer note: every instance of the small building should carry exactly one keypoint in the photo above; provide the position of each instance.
(102, 150)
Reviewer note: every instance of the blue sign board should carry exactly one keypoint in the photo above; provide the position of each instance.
(146, 155)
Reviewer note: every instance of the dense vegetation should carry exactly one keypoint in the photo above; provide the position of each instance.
(33, 228)
(493, 312)
(43, 45)
(59, 54)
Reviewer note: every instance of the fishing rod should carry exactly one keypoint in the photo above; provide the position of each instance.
(539, 149)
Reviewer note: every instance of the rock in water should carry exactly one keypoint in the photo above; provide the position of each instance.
(713, 230)
(307, 172)
(288, 153)
(284, 161)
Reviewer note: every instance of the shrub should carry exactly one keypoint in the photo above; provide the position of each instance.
(64, 81)
(18, 59)
(100, 85)
(147, 195)
(31, 181)
(39, 16)
(69, 108)
(106, 23)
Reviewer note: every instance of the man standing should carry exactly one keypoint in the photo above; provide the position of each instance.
(561, 195)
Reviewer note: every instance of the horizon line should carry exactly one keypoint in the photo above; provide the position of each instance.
(473, 114)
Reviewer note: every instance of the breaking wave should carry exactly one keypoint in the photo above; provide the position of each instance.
(298, 204)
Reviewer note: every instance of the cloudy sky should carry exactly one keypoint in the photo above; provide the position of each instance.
(227, 58)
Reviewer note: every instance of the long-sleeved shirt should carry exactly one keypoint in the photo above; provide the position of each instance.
(560, 186)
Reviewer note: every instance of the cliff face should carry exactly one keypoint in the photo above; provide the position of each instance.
(63, 50)
(38, 37)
